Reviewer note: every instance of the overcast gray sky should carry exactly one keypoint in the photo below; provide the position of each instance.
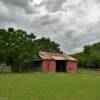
(71, 23)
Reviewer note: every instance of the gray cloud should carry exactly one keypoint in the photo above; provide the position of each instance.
(46, 20)
(22, 4)
(52, 5)
(71, 23)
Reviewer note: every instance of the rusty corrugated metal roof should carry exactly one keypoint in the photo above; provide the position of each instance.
(55, 56)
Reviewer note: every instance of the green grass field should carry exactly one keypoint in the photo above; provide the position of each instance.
(50, 86)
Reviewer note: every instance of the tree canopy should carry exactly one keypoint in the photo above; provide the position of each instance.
(17, 47)
(90, 57)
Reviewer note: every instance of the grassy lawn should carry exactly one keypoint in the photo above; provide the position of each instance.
(50, 86)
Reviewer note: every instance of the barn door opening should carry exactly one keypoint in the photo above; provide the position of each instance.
(60, 66)
(37, 66)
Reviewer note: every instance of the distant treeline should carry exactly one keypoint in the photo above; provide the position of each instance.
(19, 48)
(90, 57)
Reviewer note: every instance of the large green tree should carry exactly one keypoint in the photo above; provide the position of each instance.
(19, 48)
(90, 57)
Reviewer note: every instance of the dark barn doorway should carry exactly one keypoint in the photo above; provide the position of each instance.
(37, 66)
(60, 66)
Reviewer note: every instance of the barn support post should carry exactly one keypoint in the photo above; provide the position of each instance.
(66, 66)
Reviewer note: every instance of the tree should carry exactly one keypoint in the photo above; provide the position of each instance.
(45, 44)
(90, 57)
(19, 48)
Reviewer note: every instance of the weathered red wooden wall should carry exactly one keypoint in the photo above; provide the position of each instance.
(45, 66)
(71, 66)
(52, 66)
(49, 66)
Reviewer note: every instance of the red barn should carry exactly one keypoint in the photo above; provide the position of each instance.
(55, 62)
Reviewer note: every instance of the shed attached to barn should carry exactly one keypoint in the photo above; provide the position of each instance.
(55, 62)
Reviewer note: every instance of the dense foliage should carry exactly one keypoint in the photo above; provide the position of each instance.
(90, 57)
(18, 47)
